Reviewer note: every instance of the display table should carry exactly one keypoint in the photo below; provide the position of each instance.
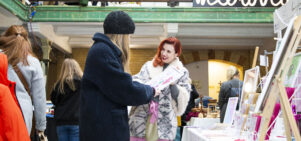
(205, 123)
(192, 134)
(199, 134)
(219, 132)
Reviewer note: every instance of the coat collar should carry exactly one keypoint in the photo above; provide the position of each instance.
(99, 37)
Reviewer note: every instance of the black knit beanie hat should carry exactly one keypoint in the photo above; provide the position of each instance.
(118, 22)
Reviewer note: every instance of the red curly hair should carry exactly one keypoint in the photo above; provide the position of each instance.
(171, 40)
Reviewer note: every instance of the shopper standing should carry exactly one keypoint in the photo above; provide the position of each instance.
(158, 121)
(230, 88)
(12, 125)
(25, 69)
(107, 89)
(66, 98)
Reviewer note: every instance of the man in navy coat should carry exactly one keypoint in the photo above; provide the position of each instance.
(106, 89)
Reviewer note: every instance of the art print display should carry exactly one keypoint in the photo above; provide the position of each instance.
(250, 84)
(230, 112)
(277, 62)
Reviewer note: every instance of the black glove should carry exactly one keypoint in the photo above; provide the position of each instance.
(174, 93)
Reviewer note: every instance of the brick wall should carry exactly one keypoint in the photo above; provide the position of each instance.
(80, 55)
(57, 59)
(139, 56)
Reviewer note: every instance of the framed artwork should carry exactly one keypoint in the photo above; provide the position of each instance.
(292, 78)
(249, 85)
(277, 62)
(230, 112)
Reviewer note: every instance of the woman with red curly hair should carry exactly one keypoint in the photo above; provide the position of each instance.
(171, 102)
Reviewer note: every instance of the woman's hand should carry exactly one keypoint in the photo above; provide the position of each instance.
(157, 92)
(173, 83)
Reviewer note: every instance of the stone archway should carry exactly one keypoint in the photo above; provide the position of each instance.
(217, 74)
(209, 74)
(197, 61)
(240, 57)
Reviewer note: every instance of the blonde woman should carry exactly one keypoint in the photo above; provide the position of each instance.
(230, 88)
(66, 98)
(30, 88)
(107, 89)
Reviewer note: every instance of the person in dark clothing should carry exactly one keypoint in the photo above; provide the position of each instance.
(230, 88)
(191, 104)
(107, 89)
(66, 98)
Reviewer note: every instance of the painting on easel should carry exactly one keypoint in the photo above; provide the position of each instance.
(293, 79)
(274, 88)
(274, 68)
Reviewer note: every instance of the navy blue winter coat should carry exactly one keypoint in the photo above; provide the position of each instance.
(106, 90)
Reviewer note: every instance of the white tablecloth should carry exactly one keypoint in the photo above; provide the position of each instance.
(205, 123)
(192, 134)
(209, 129)
(198, 134)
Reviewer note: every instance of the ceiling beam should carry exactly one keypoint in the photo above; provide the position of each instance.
(227, 30)
(220, 42)
(45, 31)
(172, 29)
(155, 15)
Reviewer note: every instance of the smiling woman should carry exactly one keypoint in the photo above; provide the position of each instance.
(167, 52)
(161, 123)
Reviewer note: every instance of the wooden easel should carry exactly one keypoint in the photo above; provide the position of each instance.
(255, 57)
(277, 89)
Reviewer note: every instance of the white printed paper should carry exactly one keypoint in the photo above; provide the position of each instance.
(168, 76)
(264, 60)
(230, 112)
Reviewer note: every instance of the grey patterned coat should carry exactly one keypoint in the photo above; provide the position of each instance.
(168, 109)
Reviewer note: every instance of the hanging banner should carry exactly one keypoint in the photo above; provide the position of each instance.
(239, 3)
